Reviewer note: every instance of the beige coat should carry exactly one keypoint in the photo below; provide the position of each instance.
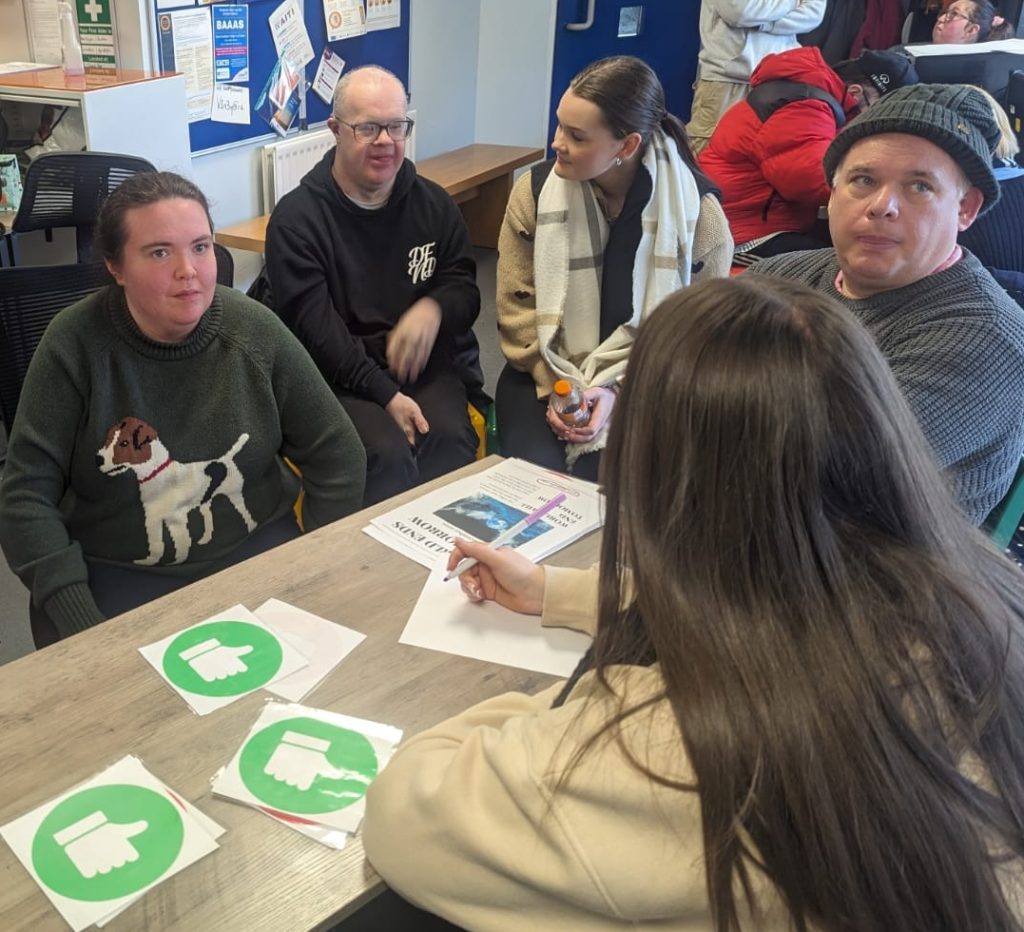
(468, 820)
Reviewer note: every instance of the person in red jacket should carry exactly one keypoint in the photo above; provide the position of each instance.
(766, 153)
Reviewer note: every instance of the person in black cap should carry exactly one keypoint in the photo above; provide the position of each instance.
(765, 155)
(876, 72)
(907, 176)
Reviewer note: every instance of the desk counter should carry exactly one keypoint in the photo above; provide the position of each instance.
(71, 710)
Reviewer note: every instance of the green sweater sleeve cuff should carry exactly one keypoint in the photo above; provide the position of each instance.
(73, 609)
(570, 598)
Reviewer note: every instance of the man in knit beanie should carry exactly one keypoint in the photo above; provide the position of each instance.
(907, 176)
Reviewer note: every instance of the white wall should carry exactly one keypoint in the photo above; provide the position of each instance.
(13, 37)
(444, 41)
(517, 43)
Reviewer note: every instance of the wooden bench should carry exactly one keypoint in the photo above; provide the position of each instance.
(478, 177)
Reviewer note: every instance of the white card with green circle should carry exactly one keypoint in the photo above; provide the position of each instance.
(308, 763)
(223, 658)
(98, 847)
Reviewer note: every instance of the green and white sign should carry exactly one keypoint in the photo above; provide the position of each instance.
(107, 842)
(100, 846)
(307, 762)
(96, 33)
(222, 658)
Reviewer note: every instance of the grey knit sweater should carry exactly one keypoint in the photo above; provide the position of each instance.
(955, 342)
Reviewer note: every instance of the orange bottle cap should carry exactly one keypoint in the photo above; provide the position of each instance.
(562, 387)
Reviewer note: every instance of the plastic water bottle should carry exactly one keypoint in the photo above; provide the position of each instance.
(568, 403)
(69, 41)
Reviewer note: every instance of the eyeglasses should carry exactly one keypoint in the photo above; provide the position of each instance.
(952, 15)
(368, 132)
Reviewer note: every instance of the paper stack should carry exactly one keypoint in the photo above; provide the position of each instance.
(97, 848)
(309, 769)
(229, 655)
(487, 503)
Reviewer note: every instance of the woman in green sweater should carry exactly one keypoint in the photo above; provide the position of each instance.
(147, 451)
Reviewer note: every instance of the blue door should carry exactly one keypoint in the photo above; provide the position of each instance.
(668, 41)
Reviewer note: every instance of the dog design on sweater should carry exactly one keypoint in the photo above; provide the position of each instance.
(170, 490)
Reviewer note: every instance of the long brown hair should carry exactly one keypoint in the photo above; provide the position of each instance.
(841, 649)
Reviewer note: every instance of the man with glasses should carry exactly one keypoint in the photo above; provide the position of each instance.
(370, 265)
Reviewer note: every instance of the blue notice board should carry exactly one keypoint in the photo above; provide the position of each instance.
(386, 47)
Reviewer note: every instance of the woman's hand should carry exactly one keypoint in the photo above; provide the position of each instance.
(601, 402)
(501, 576)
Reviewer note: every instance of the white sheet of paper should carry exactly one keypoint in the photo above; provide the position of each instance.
(290, 37)
(214, 659)
(317, 761)
(328, 73)
(445, 620)
(344, 19)
(323, 643)
(383, 14)
(12, 67)
(193, 57)
(230, 104)
(43, 21)
(196, 842)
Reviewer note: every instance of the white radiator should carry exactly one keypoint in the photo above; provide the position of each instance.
(285, 162)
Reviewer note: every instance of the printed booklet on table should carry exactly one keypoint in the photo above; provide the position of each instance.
(484, 505)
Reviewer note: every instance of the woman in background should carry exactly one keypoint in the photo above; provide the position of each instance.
(997, 237)
(147, 450)
(592, 241)
(965, 21)
(804, 703)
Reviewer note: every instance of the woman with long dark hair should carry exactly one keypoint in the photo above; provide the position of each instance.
(592, 241)
(804, 703)
(963, 22)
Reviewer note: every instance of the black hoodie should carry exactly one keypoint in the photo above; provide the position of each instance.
(342, 275)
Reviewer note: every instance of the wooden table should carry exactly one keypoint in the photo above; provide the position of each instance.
(70, 710)
(478, 177)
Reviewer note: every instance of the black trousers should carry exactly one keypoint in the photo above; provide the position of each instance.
(523, 429)
(118, 589)
(391, 913)
(392, 465)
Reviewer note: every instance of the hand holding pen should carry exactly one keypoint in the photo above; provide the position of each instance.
(509, 535)
(503, 576)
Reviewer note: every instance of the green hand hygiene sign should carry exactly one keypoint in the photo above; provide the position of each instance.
(307, 766)
(107, 842)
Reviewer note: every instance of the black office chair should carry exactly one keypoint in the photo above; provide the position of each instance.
(30, 297)
(66, 189)
(225, 265)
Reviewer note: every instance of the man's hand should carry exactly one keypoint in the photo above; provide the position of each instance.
(408, 416)
(411, 340)
(501, 576)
